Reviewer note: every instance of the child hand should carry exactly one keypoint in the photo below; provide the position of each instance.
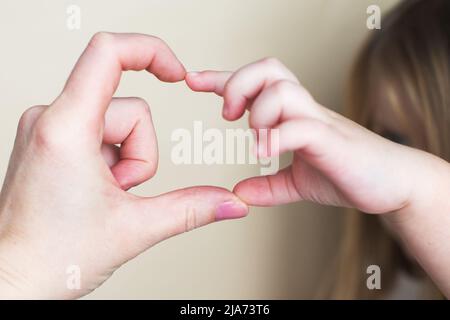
(336, 161)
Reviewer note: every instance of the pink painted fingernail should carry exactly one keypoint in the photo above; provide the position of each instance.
(231, 210)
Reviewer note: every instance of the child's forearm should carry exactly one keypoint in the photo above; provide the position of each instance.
(424, 224)
(337, 162)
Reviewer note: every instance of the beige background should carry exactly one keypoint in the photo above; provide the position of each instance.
(278, 252)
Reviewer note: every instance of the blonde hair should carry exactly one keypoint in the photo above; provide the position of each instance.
(407, 62)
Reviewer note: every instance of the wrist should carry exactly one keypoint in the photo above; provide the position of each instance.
(429, 191)
(11, 280)
(423, 224)
(14, 262)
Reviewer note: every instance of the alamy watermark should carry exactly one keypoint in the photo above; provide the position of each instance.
(73, 281)
(229, 146)
(73, 21)
(373, 22)
(374, 279)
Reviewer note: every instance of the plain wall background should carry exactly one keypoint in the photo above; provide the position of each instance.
(280, 252)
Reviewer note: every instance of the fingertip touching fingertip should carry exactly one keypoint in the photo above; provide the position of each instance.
(192, 74)
(249, 193)
(176, 74)
(194, 81)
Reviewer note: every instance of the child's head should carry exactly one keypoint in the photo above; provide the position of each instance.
(400, 88)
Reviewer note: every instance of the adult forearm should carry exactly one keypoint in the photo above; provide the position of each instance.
(10, 280)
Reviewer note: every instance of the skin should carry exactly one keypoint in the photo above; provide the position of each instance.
(337, 162)
(64, 199)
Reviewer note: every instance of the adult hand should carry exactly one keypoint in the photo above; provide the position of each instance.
(64, 201)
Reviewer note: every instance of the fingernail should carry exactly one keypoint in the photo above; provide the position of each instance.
(193, 73)
(231, 210)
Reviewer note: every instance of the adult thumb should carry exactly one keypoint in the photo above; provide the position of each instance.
(186, 209)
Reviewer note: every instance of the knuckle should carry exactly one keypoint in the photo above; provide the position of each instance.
(100, 40)
(278, 69)
(283, 85)
(149, 169)
(284, 88)
(304, 94)
(29, 117)
(46, 135)
(190, 218)
(291, 91)
(271, 61)
(141, 106)
(157, 41)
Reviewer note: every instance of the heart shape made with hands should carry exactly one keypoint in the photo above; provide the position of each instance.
(277, 101)
(127, 121)
(88, 100)
(72, 162)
